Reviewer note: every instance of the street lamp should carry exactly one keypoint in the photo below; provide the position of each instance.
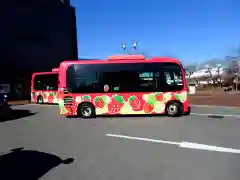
(134, 44)
(124, 46)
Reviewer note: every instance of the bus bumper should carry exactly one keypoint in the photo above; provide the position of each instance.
(188, 112)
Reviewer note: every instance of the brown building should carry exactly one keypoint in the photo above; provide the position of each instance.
(35, 35)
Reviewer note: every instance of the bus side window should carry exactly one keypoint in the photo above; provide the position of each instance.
(172, 80)
(149, 80)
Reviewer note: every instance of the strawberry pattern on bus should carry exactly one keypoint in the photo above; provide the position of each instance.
(125, 103)
(51, 97)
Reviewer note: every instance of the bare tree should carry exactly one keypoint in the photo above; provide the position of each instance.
(190, 70)
(209, 75)
(236, 66)
(188, 73)
(227, 75)
(209, 70)
(219, 75)
(234, 69)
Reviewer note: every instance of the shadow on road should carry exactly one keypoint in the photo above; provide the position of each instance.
(134, 115)
(15, 114)
(216, 116)
(28, 164)
(51, 104)
(122, 116)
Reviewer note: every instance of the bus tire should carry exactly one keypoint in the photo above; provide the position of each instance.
(40, 100)
(86, 110)
(174, 109)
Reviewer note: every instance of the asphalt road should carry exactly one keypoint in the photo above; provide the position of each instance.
(122, 155)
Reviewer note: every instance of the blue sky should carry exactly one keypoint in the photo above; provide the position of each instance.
(191, 30)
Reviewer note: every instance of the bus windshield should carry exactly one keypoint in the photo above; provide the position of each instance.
(124, 77)
(45, 82)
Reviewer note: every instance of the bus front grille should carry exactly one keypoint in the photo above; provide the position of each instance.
(68, 100)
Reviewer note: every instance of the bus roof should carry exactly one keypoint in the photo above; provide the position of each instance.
(55, 69)
(44, 73)
(124, 59)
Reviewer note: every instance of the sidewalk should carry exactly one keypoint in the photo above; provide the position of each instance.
(20, 102)
(215, 99)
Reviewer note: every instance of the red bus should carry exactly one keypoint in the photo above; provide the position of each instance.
(127, 84)
(44, 87)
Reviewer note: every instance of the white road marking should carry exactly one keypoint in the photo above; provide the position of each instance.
(188, 145)
(208, 147)
(225, 115)
(214, 106)
(143, 139)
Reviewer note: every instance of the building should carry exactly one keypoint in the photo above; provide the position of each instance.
(35, 36)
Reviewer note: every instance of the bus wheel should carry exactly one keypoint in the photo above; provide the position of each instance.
(86, 110)
(40, 100)
(173, 109)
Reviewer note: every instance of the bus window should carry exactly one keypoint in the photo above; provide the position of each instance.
(137, 77)
(46, 82)
(172, 79)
